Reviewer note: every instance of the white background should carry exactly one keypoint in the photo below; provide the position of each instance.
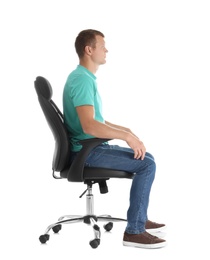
(155, 82)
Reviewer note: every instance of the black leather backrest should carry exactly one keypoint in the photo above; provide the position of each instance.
(54, 118)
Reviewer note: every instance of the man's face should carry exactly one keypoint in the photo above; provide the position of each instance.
(99, 52)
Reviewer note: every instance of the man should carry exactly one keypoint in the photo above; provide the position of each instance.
(83, 116)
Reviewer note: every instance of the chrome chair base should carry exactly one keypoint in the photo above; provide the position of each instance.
(90, 219)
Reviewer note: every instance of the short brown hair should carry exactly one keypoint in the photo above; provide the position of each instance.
(86, 38)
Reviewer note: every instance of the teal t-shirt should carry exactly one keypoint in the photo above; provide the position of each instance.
(80, 89)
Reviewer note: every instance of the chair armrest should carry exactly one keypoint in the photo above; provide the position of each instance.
(75, 173)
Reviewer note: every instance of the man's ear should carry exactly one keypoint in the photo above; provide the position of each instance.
(88, 50)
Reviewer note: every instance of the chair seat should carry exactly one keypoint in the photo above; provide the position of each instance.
(93, 173)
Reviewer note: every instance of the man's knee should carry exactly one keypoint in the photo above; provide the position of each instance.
(152, 166)
(149, 156)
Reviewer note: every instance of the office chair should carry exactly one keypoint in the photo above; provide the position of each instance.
(75, 171)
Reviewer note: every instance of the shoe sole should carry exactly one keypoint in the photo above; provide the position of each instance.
(155, 230)
(147, 246)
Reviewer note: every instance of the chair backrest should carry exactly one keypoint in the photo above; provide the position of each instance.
(54, 118)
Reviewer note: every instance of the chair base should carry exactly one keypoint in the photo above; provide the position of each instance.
(90, 219)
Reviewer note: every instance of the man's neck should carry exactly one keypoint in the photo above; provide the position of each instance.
(89, 66)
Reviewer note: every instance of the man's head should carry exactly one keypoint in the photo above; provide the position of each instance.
(86, 38)
(90, 47)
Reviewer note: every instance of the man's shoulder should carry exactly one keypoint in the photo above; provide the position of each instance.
(79, 76)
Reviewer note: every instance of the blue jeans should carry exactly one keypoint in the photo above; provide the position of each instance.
(122, 158)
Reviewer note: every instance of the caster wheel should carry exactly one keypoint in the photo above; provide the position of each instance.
(44, 238)
(95, 243)
(57, 228)
(108, 226)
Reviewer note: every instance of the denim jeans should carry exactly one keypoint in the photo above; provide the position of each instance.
(122, 158)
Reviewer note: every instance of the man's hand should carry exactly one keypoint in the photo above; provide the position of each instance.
(137, 146)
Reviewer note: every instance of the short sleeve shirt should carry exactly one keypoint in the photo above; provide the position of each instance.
(80, 89)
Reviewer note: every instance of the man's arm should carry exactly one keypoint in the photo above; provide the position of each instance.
(95, 128)
(120, 127)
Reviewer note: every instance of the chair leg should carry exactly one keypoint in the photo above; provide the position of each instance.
(94, 243)
(56, 227)
(69, 217)
(110, 218)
